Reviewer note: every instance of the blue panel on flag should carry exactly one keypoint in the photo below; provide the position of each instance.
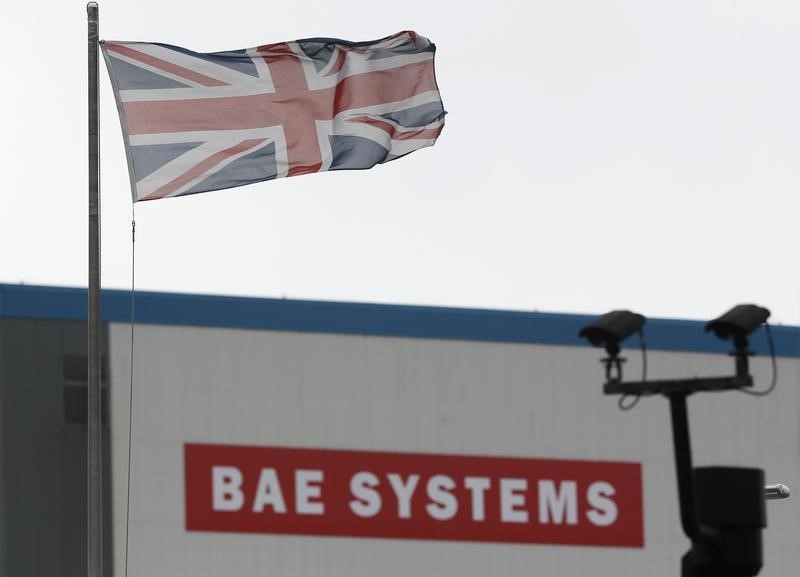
(421, 115)
(130, 77)
(237, 60)
(319, 53)
(408, 47)
(147, 158)
(255, 167)
(353, 152)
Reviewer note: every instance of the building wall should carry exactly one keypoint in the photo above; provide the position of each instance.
(398, 381)
(281, 388)
(43, 449)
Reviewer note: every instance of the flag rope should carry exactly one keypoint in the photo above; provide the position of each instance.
(130, 395)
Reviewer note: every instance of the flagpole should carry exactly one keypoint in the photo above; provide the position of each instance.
(94, 457)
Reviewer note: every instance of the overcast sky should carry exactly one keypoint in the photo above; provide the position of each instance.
(618, 154)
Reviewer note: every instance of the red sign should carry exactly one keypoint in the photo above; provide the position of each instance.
(412, 496)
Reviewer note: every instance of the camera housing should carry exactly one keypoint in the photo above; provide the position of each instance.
(738, 322)
(611, 329)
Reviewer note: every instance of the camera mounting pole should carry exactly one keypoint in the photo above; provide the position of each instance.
(613, 364)
(722, 509)
(706, 540)
(677, 391)
(683, 467)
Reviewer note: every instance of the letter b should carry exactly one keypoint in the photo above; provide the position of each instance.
(226, 487)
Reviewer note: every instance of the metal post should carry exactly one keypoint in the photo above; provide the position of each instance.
(683, 466)
(692, 527)
(94, 456)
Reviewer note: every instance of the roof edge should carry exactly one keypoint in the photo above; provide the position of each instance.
(411, 321)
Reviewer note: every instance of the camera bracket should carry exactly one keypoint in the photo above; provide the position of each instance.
(703, 537)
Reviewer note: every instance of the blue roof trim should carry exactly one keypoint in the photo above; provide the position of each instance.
(40, 302)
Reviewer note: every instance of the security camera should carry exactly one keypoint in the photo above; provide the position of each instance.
(738, 322)
(611, 329)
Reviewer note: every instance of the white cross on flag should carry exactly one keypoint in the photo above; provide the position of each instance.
(196, 122)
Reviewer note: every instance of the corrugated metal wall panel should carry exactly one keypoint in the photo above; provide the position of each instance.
(270, 388)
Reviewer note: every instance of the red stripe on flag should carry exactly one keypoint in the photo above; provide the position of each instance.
(286, 70)
(396, 134)
(383, 86)
(270, 109)
(202, 167)
(341, 54)
(165, 65)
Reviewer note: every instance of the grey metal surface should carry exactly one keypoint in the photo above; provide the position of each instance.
(42, 456)
(268, 388)
(94, 477)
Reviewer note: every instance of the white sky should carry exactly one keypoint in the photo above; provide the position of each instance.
(633, 154)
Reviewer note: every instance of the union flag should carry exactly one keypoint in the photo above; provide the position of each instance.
(194, 122)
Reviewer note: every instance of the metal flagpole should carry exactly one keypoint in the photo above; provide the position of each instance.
(94, 456)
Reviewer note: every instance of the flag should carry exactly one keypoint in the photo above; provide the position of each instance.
(194, 122)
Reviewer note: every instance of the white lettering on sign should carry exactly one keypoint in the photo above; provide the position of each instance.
(603, 510)
(367, 501)
(512, 499)
(403, 490)
(443, 504)
(556, 504)
(299, 491)
(477, 487)
(269, 492)
(226, 489)
(307, 487)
